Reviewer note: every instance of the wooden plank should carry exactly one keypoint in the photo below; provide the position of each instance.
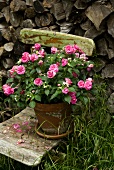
(31, 151)
(57, 39)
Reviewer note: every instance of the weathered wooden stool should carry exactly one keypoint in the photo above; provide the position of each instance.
(23, 144)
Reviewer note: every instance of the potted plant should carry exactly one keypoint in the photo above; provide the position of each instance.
(41, 80)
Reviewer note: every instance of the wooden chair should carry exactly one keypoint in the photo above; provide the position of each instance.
(56, 39)
(30, 148)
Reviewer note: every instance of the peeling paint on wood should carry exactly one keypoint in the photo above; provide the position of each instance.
(56, 39)
(26, 146)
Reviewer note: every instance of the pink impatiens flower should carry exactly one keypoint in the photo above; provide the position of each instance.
(81, 84)
(41, 53)
(90, 66)
(25, 57)
(40, 62)
(53, 50)
(88, 84)
(12, 71)
(38, 81)
(51, 74)
(37, 46)
(54, 67)
(65, 90)
(16, 126)
(68, 81)
(33, 57)
(7, 89)
(75, 74)
(73, 100)
(64, 62)
(20, 69)
(69, 49)
(73, 97)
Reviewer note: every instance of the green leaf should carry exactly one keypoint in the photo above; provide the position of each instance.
(38, 97)
(32, 104)
(71, 89)
(67, 99)
(38, 70)
(32, 71)
(10, 80)
(47, 92)
(55, 94)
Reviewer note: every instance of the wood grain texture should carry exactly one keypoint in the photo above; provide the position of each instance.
(56, 39)
(34, 147)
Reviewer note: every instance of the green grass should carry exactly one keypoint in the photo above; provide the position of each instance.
(90, 147)
(92, 144)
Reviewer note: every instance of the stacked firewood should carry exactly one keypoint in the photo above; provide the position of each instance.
(89, 18)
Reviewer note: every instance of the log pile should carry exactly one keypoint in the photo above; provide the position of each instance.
(89, 18)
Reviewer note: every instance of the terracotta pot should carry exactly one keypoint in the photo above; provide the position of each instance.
(53, 118)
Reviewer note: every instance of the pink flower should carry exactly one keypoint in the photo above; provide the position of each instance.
(81, 84)
(78, 48)
(58, 64)
(7, 90)
(25, 123)
(37, 46)
(41, 53)
(16, 126)
(25, 57)
(54, 67)
(77, 55)
(40, 62)
(89, 79)
(68, 81)
(33, 57)
(64, 62)
(22, 92)
(20, 69)
(69, 49)
(65, 90)
(12, 71)
(72, 94)
(88, 85)
(53, 50)
(83, 57)
(38, 81)
(51, 74)
(74, 74)
(73, 100)
(90, 66)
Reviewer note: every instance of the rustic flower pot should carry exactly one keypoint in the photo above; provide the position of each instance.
(54, 119)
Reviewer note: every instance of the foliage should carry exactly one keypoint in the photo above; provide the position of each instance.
(59, 76)
(91, 147)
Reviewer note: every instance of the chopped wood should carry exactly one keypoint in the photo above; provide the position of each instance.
(92, 32)
(65, 27)
(58, 11)
(28, 23)
(6, 13)
(48, 3)
(43, 20)
(9, 46)
(110, 24)
(97, 13)
(67, 5)
(17, 5)
(38, 6)
(29, 2)
(15, 19)
(79, 4)
(29, 13)
(7, 63)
